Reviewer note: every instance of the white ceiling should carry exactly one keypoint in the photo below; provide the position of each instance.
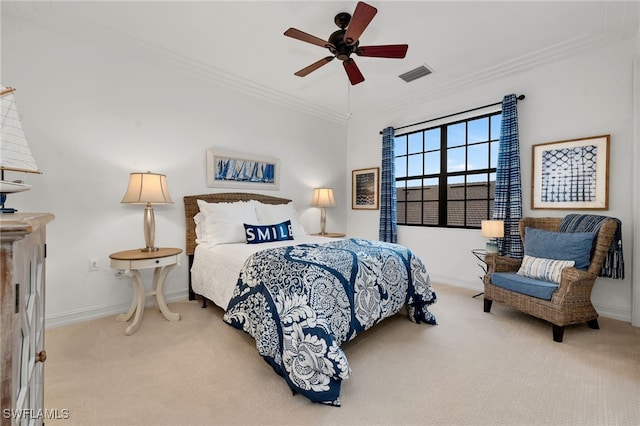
(241, 44)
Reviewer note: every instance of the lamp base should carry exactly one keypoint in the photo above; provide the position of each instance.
(492, 247)
(323, 221)
(149, 229)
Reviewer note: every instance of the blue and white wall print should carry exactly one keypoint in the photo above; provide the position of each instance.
(365, 188)
(235, 170)
(571, 174)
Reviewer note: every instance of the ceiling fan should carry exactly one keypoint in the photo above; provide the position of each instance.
(345, 41)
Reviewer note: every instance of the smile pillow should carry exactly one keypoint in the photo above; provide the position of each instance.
(257, 234)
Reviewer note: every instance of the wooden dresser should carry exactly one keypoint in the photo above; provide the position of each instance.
(22, 353)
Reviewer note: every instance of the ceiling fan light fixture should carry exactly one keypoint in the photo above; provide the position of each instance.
(416, 73)
(346, 41)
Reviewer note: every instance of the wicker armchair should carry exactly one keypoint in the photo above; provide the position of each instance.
(571, 302)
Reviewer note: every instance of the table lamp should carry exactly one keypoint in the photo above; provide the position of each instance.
(148, 188)
(323, 197)
(492, 229)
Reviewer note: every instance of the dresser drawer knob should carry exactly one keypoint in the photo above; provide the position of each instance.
(42, 356)
(157, 261)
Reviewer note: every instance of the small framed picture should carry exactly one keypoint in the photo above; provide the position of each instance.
(571, 174)
(365, 187)
(227, 169)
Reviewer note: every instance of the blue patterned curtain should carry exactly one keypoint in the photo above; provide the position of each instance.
(508, 193)
(388, 213)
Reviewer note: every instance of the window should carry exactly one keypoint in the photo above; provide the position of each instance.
(445, 175)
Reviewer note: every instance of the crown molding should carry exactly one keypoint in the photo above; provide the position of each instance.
(95, 33)
(617, 25)
(514, 66)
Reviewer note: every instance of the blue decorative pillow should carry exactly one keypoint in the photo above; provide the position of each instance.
(574, 246)
(257, 234)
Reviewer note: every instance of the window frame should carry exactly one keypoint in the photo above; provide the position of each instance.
(444, 174)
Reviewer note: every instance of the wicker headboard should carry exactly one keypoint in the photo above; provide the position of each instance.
(191, 209)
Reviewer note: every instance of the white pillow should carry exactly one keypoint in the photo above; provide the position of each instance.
(223, 223)
(268, 214)
(543, 269)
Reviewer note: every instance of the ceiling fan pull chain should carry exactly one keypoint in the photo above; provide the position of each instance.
(349, 101)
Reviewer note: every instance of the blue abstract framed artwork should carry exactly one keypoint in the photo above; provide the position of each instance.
(365, 188)
(571, 174)
(226, 169)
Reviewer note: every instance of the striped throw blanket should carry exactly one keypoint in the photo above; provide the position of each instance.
(613, 266)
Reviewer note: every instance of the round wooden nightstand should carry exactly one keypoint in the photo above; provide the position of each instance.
(330, 235)
(164, 260)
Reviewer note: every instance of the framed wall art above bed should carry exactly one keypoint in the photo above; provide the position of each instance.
(571, 174)
(227, 169)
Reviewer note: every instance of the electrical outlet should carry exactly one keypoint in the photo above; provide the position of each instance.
(93, 264)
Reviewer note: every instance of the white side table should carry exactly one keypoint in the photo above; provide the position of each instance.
(164, 260)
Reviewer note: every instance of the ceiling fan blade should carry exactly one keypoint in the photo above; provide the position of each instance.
(396, 51)
(359, 21)
(301, 35)
(353, 72)
(314, 66)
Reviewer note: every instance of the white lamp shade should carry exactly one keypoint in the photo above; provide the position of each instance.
(323, 197)
(492, 228)
(147, 188)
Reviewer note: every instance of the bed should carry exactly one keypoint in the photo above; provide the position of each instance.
(299, 296)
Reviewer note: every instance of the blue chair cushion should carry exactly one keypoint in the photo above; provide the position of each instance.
(524, 285)
(574, 246)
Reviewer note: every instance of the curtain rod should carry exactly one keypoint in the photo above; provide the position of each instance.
(521, 97)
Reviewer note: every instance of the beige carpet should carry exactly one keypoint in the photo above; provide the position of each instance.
(472, 369)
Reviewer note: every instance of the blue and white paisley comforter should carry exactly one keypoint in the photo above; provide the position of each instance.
(300, 303)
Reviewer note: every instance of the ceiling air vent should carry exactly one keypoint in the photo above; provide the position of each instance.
(414, 74)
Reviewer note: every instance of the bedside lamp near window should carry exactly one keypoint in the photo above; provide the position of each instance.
(492, 229)
(323, 197)
(148, 188)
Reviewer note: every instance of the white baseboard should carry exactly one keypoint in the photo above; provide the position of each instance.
(613, 312)
(475, 285)
(101, 311)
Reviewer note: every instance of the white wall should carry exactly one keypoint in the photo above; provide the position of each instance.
(92, 115)
(585, 95)
(635, 185)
